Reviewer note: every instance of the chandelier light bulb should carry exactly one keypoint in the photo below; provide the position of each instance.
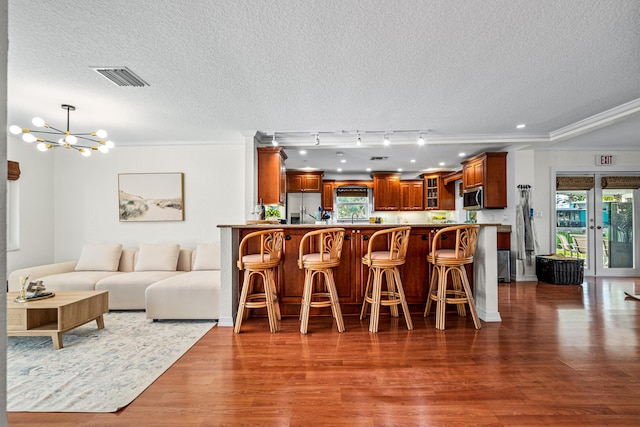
(42, 146)
(85, 152)
(27, 137)
(101, 133)
(109, 144)
(103, 149)
(38, 122)
(15, 129)
(70, 139)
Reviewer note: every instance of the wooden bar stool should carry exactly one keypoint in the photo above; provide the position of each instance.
(325, 246)
(450, 264)
(260, 264)
(385, 264)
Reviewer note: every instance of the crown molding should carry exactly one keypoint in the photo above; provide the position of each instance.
(596, 121)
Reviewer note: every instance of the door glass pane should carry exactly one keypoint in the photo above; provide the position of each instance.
(617, 232)
(571, 223)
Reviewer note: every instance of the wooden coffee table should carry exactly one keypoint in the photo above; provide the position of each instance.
(56, 315)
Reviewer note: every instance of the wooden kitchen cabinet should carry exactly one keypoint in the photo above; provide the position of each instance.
(473, 174)
(304, 182)
(327, 195)
(386, 191)
(489, 171)
(271, 175)
(411, 195)
(437, 194)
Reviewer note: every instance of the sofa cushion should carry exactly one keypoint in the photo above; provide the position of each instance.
(126, 290)
(207, 257)
(157, 257)
(75, 280)
(192, 295)
(99, 257)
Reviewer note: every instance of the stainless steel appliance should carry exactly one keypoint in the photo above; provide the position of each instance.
(472, 199)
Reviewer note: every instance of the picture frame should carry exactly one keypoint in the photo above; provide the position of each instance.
(144, 197)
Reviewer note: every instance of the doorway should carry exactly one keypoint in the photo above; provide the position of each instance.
(597, 216)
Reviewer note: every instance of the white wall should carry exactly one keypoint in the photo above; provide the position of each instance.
(3, 237)
(85, 197)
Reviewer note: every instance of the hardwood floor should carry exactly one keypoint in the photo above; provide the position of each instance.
(562, 356)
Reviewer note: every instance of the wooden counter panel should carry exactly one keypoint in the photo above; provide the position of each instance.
(351, 275)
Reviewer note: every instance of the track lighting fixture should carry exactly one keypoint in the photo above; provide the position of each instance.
(421, 140)
(386, 140)
(358, 140)
(317, 140)
(273, 141)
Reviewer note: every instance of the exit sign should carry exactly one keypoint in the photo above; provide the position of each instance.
(604, 159)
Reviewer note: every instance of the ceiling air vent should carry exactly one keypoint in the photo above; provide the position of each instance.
(121, 76)
(379, 158)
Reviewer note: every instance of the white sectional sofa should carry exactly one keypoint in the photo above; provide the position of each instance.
(167, 281)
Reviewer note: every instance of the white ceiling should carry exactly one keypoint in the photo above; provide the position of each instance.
(464, 73)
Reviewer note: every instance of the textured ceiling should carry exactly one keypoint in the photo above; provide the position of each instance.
(461, 71)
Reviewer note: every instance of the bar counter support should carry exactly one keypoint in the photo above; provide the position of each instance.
(485, 272)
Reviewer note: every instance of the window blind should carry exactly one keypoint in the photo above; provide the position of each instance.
(575, 182)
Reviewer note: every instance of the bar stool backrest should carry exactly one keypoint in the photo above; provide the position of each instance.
(326, 241)
(465, 245)
(398, 241)
(270, 246)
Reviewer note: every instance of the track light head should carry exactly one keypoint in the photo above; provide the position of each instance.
(317, 140)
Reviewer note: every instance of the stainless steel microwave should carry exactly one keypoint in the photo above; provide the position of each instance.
(472, 199)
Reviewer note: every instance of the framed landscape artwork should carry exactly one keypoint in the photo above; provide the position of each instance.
(151, 197)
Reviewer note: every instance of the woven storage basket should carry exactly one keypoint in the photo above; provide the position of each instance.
(560, 270)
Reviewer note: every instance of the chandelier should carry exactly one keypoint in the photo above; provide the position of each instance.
(84, 143)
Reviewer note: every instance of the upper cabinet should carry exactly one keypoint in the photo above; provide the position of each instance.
(437, 194)
(386, 191)
(411, 198)
(271, 175)
(327, 195)
(487, 170)
(300, 182)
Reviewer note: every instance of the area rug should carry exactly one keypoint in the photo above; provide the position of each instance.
(97, 370)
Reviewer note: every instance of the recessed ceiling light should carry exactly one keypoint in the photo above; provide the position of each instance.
(399, 169)
(521, 126)
(303, 152)
(339, 169)
(368, 169)
(339, 153)
(413, 160)
(441, 163)
(343, 161)
(462, 154)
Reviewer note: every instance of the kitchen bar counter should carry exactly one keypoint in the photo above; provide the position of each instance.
(351, 274)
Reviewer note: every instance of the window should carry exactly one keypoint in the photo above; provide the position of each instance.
(13, 215)
(352, 204)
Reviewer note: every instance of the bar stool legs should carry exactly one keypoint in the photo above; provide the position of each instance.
(374, 296)
(329, 298)
(250, 299)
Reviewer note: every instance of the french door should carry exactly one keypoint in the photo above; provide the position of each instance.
(599, 224)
